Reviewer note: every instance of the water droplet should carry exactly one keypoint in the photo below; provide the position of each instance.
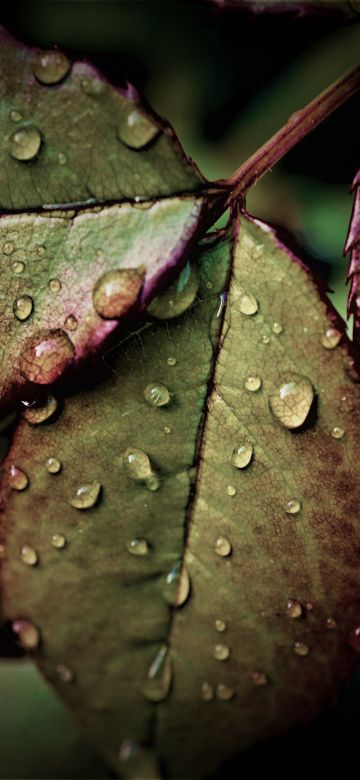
(45, 356)
(221, 652)
(136, 129)
(167, 429)
(22, 307)
(337, 433)
(71, 322)
(207, 691)
(331, 623)
(138, 466)
(28, 555)
(293, 608)
(248, 305)
(177, 585)
(177, 298)
(39, 412)
(224, 692)
(158, 681)
(242, 455)
(277, 328)
(40, 250)
(259, 678)
(222, 304)
(157, 394)
(293, 506)
(309, 606)
(54, 285)
(17, 478)
(25, 143)
(265, 339)
(18, 266)
(15, 116)
(223, 546)
(116, 291)
(354, 639)
(50, 67)
(58, 541)
(137, 761)
(28, 635)
(138, 547)
(292, 400)
(86, 495)
(8, 248)
(171, 361)
(220, 625)
(331, 338)
(53, 465)
(300, 648)
(64, 673)
(253, 383)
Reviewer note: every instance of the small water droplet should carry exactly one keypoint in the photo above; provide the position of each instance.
(137, 466)
(50, 67)
(167, 429)
(331, 338)
(248, 305)
(224, 692)
(331, 623)
(157, 394)
(231, 490)
(64, 673)
(8, 248)
(28, 555)
(265, 339)
(39, 412)
(58, 541)
(86, 495)
(354, 639)
(136, 129)
(25, 143)
(138, 547)
(178, 297)
(18, 267)
(294, 608)
(53, 465)
(242, 455)
(177, 585)
(54, 285)
(293, 506)
(138, 762)
(221, 652)
(300, 648)
(337, 432)
(259, 678)
(309, 606)
(28, 635)
(159, 677)
(45, 356)
(292, 400)
(61, 158)
(171, 361)
(223, 546)
(22, 307)
(253, 383)
(220, 625)
(15, 116)
(116, 291)
(71, 322)
(277, 328)
(17, 478)
(207, 691)
(40, 250)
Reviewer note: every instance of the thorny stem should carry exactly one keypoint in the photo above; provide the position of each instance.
(297, 127)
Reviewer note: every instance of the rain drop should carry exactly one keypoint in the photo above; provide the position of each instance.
(116, 291)
(252, 383)
(207, 691)
(354, 639)
(224, 692)
(46, 355)
(15, 116)
(53, 465)
(331, 338)
(177, 585)
(25, 143)
(300, 648)
(292, 400)
(86, 495)
(64, 673)
(40, 250)
(50, 67)
(293, 609)
(58, 541)
(231, 490)
(265, 339)
(18, 266)
(220, 625)
(54, 285)
(71, 322)
(137, 466)
(157, 394)
(17, 478)
(28, 635)
(177, 298)
(331, 623)
(221, 652)
(39, 412)
(167, 429)
(171, 361)
(277, 328)
(242, 455)
(159, 677)
(136, 129)
(223, 546)
(28, 555)
(22, 307)
(337, 432)
(293, 506)
(248, 305)
(8, 248)
(138, 547)
(259, 678)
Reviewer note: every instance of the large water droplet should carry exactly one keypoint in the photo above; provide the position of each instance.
(54, 285)
(138, 762)
(248, 305)
(25, 143)
(86, 495)
(337, 432)
(177, 585)
(116, 291)
(331, 338)
(292, 400)
(58, 541)
(39, 412)
(136, 129)
(28, 555)
(137, 466)
(157, 394)
(259, 678)
(28, 635)
(223, 546)
(158, 681)
(22, 307)
(224, 692)
(293, 506)
(242, 455)
(64, 673)
(253, 383)
(221, 652)
(46, 355)
(300, 648)
(50, 67)
(354, 639)
(293, 608)
(17, 478)
(220, 625)
(177, 298)
(138, 547)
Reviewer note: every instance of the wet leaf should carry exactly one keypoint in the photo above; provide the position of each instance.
(353, 247)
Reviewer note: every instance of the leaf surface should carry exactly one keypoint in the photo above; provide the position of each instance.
(184, 667)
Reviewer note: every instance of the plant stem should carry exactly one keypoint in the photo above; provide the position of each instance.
(297, 127)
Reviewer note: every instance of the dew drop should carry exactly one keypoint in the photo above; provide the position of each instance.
(58, 541)
(138, 547)
(354, 639)
(171, 361)
(38, 413)
(300, 648)
(157, 394)
(136, 129)
(259, 678)
(248, 305)
(277, 328)
(53, 465)
(221, 652)
(28, 555)
(17, 478)
(22, 307)
(293, 506)
(294, 608)
(8, 248)
(242, 455)
(54, 285)
(220, 625)
(116, 291)
(331, 623)
(177, 298)
(331, 338)
(337, 432)
(231, 490)
(292, 400)
(46, 355)
(224, 692)
(207, 691)
(223, 546)
(28, 635)
(18, 267)
(25, 143)
(159, 677)
(50, 67)
(64, 673)
(177, 585)
(15, 116)
(71, 322)
(253, 383)
(137, 466)
(86, 495)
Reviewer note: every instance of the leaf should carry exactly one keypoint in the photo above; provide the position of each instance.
(353, 246)
(68, 135)
(217, 475)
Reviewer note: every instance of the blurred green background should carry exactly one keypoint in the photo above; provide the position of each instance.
(226, 80)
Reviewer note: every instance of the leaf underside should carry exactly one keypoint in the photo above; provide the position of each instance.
(103, 612)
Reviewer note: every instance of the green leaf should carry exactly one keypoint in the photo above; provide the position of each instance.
(186, 574)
